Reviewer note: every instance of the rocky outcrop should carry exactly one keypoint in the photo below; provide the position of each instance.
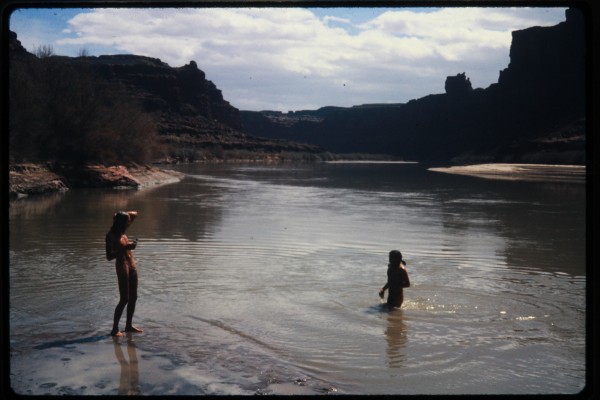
(16, 49)
(543, 58)
(26, 179)
(31, 179)
(190, 110)
(173, 94)
(97, 176)
(458, 85)
(535, 113)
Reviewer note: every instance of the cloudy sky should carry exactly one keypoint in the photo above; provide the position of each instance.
(299, 58)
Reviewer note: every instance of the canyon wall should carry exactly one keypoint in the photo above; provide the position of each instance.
(536, 112)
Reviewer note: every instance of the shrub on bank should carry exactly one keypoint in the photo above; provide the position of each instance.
(60, 111)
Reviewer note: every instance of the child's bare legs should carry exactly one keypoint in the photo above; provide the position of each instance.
(128, 281)
(133, 284)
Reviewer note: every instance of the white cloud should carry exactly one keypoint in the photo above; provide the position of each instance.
(289, 58)
(329, 18)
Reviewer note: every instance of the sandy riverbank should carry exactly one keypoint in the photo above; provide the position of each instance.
(520, 172)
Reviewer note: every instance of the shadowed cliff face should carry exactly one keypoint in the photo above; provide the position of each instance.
(181, 97)
(16, 49)
(189, 112)
(535, 113)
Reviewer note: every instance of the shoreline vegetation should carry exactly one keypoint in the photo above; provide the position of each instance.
(27, 179)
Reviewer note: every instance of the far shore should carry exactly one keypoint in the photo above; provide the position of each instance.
(520, 172)
(30, 179)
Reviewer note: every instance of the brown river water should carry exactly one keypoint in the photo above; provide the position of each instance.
(257, 279)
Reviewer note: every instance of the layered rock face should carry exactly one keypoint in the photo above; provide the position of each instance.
(535, 113)
(185, 101)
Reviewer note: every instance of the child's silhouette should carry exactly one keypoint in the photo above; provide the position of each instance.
(397, 279)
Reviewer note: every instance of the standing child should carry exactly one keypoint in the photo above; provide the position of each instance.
(397, 279)
(118, 247)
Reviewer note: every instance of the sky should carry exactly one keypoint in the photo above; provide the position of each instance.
(290, 59)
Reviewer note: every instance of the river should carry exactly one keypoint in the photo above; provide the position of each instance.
(259, 279)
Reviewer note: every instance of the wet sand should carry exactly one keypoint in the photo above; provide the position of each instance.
(103, 365)
(520, 172)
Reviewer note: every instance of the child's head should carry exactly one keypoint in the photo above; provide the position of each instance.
(395, 257)
(120, 221)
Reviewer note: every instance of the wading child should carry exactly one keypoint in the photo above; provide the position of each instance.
(118, 247)
(397, 279)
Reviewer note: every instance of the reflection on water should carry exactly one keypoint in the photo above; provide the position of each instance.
(396, 335)
(129, 382)
(251, 276)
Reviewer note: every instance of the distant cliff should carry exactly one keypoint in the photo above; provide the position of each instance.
(77, 109)
(183, 98)
(535, 113)
(192, 115)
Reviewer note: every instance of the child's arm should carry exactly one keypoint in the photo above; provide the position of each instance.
(132, 216)
(405, 280)
(382, 291)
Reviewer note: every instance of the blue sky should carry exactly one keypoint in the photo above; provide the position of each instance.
(293, 58)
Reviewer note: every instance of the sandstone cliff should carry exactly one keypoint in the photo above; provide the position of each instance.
(535, 113)
(189, 113)
(183, 99)
(192, 115)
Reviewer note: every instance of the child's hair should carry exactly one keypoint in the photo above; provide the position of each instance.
(395, 256)
(120, 221)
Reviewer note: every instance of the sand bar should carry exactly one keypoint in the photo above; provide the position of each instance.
(520, 172)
